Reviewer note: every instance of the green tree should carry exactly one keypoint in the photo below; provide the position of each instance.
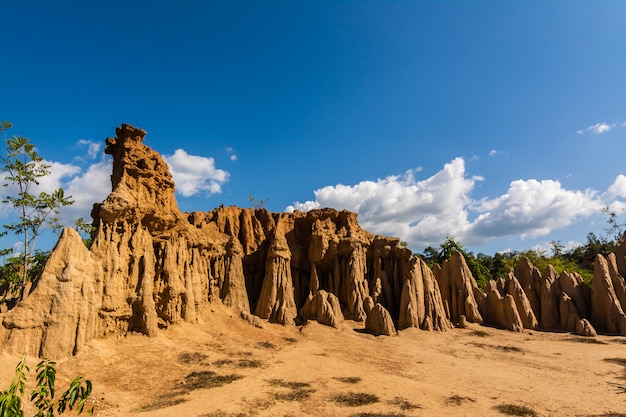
(614, 229)
(43, 396)
(479, 266)
(22, 168)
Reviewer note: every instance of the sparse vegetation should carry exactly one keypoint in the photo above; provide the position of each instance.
(355, 399)
(297, 390)
(378, 415)
(478, 333)
(266, 345)
(403, 404)
(458, 400)
(43, 396)
(207, 379)
(191, 357)
(501, 348)
(249, 363)
(222, 362)
(349, 379)
(164, 401)
(589, 340)
(516, 410)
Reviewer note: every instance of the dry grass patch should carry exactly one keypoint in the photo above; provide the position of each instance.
(266, 345)
(191, 357)
(516, 410)
(403, 404)
(378, 415)
(501, 348)
(207, 379)
(164, 401)
(588, 340)
(222, 362)
(355, 399)
(298, 391)
(349, 379)
(478, 333)
(249, 363)
(458, 400)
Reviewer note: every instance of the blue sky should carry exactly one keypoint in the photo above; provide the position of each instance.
(500, 123)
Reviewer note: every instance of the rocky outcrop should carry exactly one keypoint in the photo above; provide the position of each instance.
(324, 308)
(459, 290)
(607, 313)
(150, 266)
(379, 322)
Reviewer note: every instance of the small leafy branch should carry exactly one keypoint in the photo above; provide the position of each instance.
(43, 396)
(257, 204)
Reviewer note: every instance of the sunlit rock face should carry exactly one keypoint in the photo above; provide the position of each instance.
(150, 266)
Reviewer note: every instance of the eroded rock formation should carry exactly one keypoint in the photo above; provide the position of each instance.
(151, 265)
(527, 299)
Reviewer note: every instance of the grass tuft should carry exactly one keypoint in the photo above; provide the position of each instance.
(516, 410)
(266, 345)
(478, 333)
(458, 400)
(297, 390)
(378, 415)
(249, 363)
(348, 379)
(588, 340)
(189, 357)
(355, 399)
(403, 404)
(208, 379)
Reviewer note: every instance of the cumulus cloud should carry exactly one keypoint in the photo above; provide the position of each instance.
(425, 212)
(493, 152)
(91, 186)
(195, 174)
(531, 208)
(419, 211)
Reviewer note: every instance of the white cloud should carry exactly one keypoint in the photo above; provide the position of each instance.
(617, 189)
(90, 187)
(420, 212)
(306, 206)
(597, 129)
(93, 148)
(492, 152)
(194, 174)
(426, 212)
(233, 157)
(531, 208)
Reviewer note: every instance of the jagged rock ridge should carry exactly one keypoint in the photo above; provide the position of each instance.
(150, 265)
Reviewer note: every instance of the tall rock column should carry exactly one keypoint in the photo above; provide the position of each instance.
(276, 302)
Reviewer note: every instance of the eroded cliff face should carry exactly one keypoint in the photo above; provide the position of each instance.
(151, 265)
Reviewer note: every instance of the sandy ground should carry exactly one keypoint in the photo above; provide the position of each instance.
(225, 367)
